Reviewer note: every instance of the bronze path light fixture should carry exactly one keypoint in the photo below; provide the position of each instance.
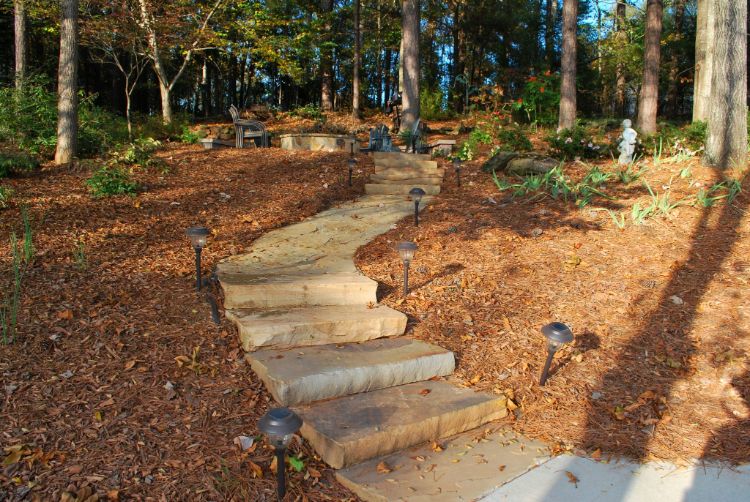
(457, 167)
(352, 162)
(406, 250)
(198, 237)
(280, 424)
(416, 195)
(557, 335)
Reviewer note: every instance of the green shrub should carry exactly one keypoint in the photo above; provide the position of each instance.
(6, 194)
(28, 119)
(188, 136)
(576, 143)
(16, 163)
(139, 152)
(432, 105)
(111, 180)
(311, 111)
(540, 99)
(469, 147)
(514, 139)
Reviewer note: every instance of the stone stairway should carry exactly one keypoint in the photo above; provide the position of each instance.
(397, 173)
(320, 343)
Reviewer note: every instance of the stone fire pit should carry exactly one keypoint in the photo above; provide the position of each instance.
(318, 142)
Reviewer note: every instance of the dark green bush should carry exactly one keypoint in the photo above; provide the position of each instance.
(514, 139)
(111, 180)
(16, 163)
(28, 119)
(311, 111)
(576, 142)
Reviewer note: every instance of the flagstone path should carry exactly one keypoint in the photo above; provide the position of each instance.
(315, 335)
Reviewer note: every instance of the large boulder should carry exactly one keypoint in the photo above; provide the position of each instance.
(519, 164)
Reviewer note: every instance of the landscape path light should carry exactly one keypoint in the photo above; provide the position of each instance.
(198, 237)
(416, 195)
(457, 167)
(557, 335)
(280, 425)
(406, 250)
(352, 162)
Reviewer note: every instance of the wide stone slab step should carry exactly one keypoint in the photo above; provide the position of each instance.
(403, 157)
(400, 173)
(307, 374)
(398, 189)
(285, 328)
(469, 466)
(411, 163)
(352, 429)
(415, 182)
(279, 290)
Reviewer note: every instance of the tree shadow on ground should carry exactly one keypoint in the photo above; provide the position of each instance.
(660, 353)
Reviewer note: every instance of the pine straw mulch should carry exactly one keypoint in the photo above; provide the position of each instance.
(659, 367)
(85, 407)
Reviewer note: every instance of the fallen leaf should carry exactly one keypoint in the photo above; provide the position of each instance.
(383, 468)
(65, 314)
(436, 447)
(313, 472)
(501, 468)
(424, 392)
(596, 454)
(255, 469)
(475, 379)
(572, 478)
(129, 365)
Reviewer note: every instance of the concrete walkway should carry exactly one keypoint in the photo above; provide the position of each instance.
(625, 481)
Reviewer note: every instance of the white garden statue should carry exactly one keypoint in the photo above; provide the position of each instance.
(627, 145)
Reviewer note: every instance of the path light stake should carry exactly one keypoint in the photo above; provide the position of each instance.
(352, 162)
(557, 335)
(457, 167)
(416, 195)
(198, 236)
(406, 251)
(280, 424)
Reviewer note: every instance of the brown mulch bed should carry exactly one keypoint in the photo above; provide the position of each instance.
(119, 383)
(659, 367)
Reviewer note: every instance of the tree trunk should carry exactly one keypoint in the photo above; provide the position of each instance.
(378, 58)
(356, 107)
(649, 98)
(726, 144)
(704, 60)
(326, 60)
(567, 117)
(549, 32)
(67, 84)
(622, 40)
(387, 74)
(410, 62)
(19, 16)
(673, 91)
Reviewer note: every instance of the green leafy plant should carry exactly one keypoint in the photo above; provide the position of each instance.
(514, 139)
(618, 220)
(630, 175)
(469, 147)
(310, 111)
(79, 254)
(111, 180)
(188, 136)
(576, 143)
(10, 301)
(709, 197)
(16, 163)
(28, 237)
(6, 194)
(296, 463)
(540, 99)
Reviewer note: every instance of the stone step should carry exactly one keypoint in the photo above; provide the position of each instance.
(406, 181)
(400, 173)
(410, 163)
(352, 429)
(398, 189)
(279, 290)
(469, 466)
(321, 325)
(307, 374)
(404, 157)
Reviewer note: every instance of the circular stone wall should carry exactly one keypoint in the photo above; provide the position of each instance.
(319, 142)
